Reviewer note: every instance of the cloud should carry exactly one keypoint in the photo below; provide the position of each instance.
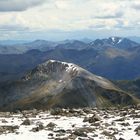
(136, 6)
(100, 26)
(123, 25)
(118, 14)
(13, 27)
(18, 5)
(68, 16)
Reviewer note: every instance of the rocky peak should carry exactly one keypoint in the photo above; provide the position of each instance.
(53, 67)
(115, 40)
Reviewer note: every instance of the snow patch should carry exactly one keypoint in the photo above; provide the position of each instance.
(120, 40)
(69, 66)
(113, 39)
(52, 61)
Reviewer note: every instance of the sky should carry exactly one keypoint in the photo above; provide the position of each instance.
(68, 19)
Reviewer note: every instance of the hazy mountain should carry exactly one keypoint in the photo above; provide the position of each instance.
(10, 49)
(12, 42)
(60, 84)
(43, 45)
(73, 44)
(135, 38)
(86, 40)
(13, 66)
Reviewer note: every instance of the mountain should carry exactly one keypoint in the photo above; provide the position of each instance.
(12, 42)
(41, 45)
(117, 42)
(60, 84)
(135, 38)
(86, 40)
(12, 49)
(72, 44)
(44, 45)
(14, 66)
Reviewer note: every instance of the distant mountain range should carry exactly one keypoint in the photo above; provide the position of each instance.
(43, 45)
(13, 42)
(114, 58)
(56, 84)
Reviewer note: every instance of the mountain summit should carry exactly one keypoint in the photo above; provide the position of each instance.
(118, 42)
(60, 84)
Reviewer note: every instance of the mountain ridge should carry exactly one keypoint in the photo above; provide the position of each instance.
(115, 42)
(111, 62)
(44, 45)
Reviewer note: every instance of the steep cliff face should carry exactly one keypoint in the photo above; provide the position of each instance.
(61, 84)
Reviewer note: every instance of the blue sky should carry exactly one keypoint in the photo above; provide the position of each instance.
(68, 19)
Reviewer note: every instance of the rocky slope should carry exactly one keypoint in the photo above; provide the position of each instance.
(132, 86)
(60, 84)
(71, 124)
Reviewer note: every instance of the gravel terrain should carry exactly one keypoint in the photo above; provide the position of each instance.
(71, 124)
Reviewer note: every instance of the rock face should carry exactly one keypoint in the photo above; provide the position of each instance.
(60, 84)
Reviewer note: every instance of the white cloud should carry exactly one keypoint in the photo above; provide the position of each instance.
(136, 5)
(70, 15)
(18, 5)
